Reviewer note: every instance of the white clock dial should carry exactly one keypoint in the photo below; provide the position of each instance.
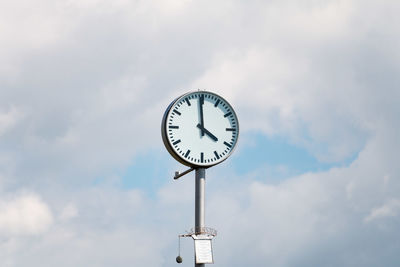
(200, 129)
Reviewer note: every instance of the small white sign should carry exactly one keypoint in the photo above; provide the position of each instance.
(203, 251)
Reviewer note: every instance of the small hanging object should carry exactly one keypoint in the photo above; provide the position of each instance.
(179, 258)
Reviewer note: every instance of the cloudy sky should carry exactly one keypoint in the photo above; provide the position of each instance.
(86, 181)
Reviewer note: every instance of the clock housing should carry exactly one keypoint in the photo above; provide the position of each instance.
(200, 129)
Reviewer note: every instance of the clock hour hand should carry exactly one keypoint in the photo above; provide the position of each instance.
(213, 137)
(201, 102)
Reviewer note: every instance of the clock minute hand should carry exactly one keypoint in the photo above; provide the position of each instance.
(213, 137)
(201, 102)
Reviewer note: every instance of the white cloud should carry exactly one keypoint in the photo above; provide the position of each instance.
(70, 211)
(389, 209)
(8, 119)
(25, 214)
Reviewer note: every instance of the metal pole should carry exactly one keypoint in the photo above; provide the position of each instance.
(199, 203)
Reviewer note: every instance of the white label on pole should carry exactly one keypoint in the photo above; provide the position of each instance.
(203, 251)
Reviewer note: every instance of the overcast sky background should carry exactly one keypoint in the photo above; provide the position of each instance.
(86, 181)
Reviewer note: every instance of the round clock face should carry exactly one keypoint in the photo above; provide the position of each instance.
(200, 129)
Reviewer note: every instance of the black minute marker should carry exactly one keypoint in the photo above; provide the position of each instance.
(227, 144)
(227, 114)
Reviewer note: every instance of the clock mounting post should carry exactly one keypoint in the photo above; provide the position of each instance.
(200, 203)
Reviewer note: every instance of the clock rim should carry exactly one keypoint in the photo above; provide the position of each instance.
(170, 149)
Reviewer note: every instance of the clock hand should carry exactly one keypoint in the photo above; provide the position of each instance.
(213, 137)
(201, 102)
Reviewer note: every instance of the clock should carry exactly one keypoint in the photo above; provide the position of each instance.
(200, 129)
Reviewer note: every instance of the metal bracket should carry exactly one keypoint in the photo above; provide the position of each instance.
(179, 175)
